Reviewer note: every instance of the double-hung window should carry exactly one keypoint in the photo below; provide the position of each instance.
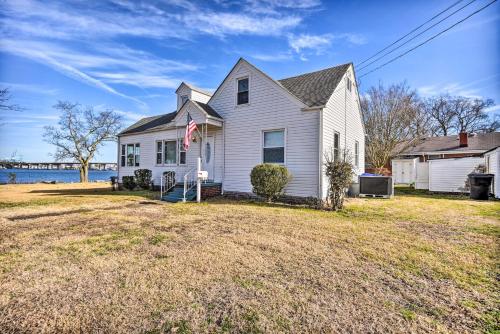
(130, 155)
(242, 97)
(336, 146)
(170, 152)
(356, 153)
(348, 83)
(159, 152)
(182, 152)
(184, 99)
(122, 156)
(273, 150)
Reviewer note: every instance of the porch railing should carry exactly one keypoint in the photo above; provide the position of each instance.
(190, 180)
(167, 182)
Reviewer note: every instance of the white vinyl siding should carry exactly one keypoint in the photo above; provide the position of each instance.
(148, 144)
(343, 115)
(270, 107)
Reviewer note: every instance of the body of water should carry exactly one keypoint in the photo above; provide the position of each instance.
(60, 176)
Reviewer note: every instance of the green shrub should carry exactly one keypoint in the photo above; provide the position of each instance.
(128, 182)
(143, 178)
(269, 180)
(340, 172)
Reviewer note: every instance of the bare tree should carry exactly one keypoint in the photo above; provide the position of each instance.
(4, 101)
(443, 117)
(389, 115)
(470, 114)
(81, 132)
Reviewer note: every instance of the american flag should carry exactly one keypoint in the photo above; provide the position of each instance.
(190, 128)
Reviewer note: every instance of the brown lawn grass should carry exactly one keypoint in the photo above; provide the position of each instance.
(79, 258)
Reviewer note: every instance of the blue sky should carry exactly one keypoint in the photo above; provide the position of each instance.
(130, 55)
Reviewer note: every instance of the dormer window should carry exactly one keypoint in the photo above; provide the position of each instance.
(184, 99)
(242, 97)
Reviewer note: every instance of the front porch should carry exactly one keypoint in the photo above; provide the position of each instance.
(209, 189)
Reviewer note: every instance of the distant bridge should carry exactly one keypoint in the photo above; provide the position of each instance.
(57, 165)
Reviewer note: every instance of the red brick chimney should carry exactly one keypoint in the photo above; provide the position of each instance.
(463, 139)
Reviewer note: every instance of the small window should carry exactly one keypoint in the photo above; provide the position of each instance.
(356, 153)
(130, 155)
(182, 152)
(348, 84)
(274, 147)
(170, 152)
(122, 156)
(137, 154)
(184, 99)
(159, 152)
(243, 91)
(336, 146)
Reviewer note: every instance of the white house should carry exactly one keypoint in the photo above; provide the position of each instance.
(250, 119)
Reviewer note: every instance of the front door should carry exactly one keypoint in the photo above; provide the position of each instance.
(208, 157)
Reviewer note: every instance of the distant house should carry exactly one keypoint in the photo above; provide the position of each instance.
(442, 164)
(455, 146)
(252, 119)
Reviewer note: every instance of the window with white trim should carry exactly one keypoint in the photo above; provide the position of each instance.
(242, 95)
(170, 152)
(184, 99)
(182, 152)
(130, 154)
(273, 150)
(159, 152)
(356, 153)
(348, 83)
(123, 156)
(336, 146)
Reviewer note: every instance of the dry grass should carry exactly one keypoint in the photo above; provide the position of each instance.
(76, 259)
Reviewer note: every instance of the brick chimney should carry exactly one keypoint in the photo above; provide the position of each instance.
(463, 136)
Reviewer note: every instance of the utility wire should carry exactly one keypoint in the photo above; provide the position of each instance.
(429, 39)
(417, 35)
(411, 32)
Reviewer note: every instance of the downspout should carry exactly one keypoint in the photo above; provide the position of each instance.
(223, 156)
(118, 161)
(345, 116)
(320, 156)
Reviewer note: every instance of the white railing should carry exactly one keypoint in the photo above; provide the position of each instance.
(190, 180)
(167, 182)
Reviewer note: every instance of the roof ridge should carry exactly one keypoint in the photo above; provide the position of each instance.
(313, 72)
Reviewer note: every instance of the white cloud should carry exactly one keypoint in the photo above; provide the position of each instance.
(306, 41)
(272, 57)
(31, 88)
(453, 89)
(493, 109)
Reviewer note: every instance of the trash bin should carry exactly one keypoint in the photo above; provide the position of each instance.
(480, 185)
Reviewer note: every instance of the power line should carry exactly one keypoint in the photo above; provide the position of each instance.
(429, 39)
(420, 26)
(417, 35)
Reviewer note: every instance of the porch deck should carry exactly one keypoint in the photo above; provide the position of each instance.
(209, 189)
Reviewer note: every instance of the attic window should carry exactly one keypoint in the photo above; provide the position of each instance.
(184, 99)
(348, 84)
(242, 97)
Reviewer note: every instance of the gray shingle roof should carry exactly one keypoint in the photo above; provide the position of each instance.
(315, 88)
(480, 142)
(150, 123)
(208, 109)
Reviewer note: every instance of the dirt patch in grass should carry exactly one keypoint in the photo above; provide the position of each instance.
(115, 262)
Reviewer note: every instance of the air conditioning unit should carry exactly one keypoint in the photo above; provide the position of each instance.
(376, 186)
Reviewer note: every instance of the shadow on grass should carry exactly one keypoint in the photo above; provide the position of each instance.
(411, 192)
(95, 192)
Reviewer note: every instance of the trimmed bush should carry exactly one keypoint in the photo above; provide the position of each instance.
(269, 180)
(128, 182)
(143, 178)
(340, 172)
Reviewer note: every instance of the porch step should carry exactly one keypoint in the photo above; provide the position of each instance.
(177, 195)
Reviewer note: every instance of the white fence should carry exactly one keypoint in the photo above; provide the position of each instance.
(449, 175)
(422, 180)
